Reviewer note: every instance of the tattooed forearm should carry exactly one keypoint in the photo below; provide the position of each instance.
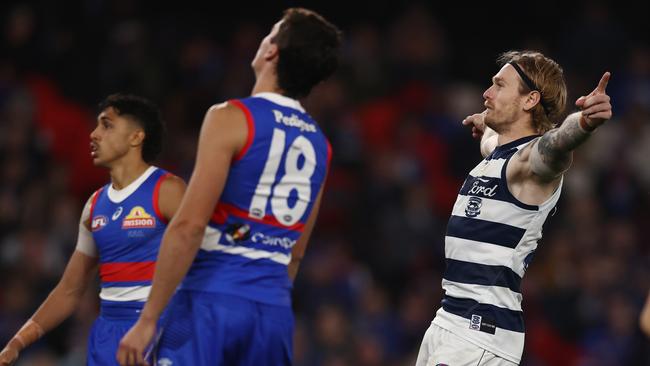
(566, 137)
(553, 153)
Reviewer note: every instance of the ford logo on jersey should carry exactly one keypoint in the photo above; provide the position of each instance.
(473, 208)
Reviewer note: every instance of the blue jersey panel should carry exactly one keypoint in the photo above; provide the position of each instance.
(268, 197)
(128, 234)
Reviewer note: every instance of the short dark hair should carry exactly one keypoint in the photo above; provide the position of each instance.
(308, 51)
(143, 112)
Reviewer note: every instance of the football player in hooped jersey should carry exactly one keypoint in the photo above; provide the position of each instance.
(249, 210)
(120, 231)
(497, 219)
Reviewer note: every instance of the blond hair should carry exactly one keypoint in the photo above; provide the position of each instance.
(548, 78)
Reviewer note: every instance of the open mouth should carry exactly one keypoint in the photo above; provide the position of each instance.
(93, 149)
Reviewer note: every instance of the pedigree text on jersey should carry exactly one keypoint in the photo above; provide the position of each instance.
(293, 121)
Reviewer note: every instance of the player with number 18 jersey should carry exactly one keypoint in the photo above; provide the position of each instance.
(269, 193)
(242, 263)
(228, 259)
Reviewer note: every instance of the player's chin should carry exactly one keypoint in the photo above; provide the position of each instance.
(98, 162)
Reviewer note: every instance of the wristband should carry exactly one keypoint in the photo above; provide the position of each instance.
(29, 333)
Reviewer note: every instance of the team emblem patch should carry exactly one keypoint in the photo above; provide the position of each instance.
(473, 208)
(482, 324)
(138, 218)
(98, 222)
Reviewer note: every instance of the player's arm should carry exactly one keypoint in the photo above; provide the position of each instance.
(551, 155)
(170, 196)
(644, 319)
(487, 136)
(63, 299)
(222, 136)
(298, 250)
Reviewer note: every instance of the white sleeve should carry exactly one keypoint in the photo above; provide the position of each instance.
(85, 241)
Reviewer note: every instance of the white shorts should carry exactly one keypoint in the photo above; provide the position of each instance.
(442, 347)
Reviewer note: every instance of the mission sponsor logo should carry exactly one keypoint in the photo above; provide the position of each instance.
(138, 218)
(98, 222)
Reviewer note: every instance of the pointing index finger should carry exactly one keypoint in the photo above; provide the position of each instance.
(602, 84)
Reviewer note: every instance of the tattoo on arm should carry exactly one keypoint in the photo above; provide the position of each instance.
(555, 147)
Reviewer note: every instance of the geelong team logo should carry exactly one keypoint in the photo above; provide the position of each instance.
(98, 222)
(138, 218)
(473, 208)
(475, 322)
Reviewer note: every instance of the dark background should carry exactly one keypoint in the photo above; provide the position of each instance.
(410, 72)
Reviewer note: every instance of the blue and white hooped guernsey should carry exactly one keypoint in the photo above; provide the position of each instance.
(127, 228)
(491, 239)
(268, 196)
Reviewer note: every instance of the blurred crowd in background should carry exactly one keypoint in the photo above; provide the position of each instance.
(370, 283)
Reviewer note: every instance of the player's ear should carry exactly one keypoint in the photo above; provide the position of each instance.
(271, 52)
(137, 137)
(532, 99)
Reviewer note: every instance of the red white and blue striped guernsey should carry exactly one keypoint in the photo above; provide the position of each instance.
(269, 194)
(127, 228)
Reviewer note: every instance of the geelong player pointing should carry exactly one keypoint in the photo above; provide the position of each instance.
(497, 219)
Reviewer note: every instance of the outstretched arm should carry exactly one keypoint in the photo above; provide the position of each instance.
(63, 299)
(222, 135)
(552, 154)
(488, 137)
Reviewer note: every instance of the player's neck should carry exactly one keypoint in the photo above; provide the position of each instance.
(515, 131)
(125, 172)
(266, 83)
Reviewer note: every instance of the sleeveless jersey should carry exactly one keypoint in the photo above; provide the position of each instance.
(490, 241)
(128, 235)
(268, 196)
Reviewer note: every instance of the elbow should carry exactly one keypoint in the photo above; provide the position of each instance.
(296, 259)
(187, 231)
(68, 291)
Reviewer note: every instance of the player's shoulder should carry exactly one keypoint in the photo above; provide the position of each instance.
(225, 113)
(172, 183)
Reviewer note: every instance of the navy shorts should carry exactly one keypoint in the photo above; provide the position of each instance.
(217, 329)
